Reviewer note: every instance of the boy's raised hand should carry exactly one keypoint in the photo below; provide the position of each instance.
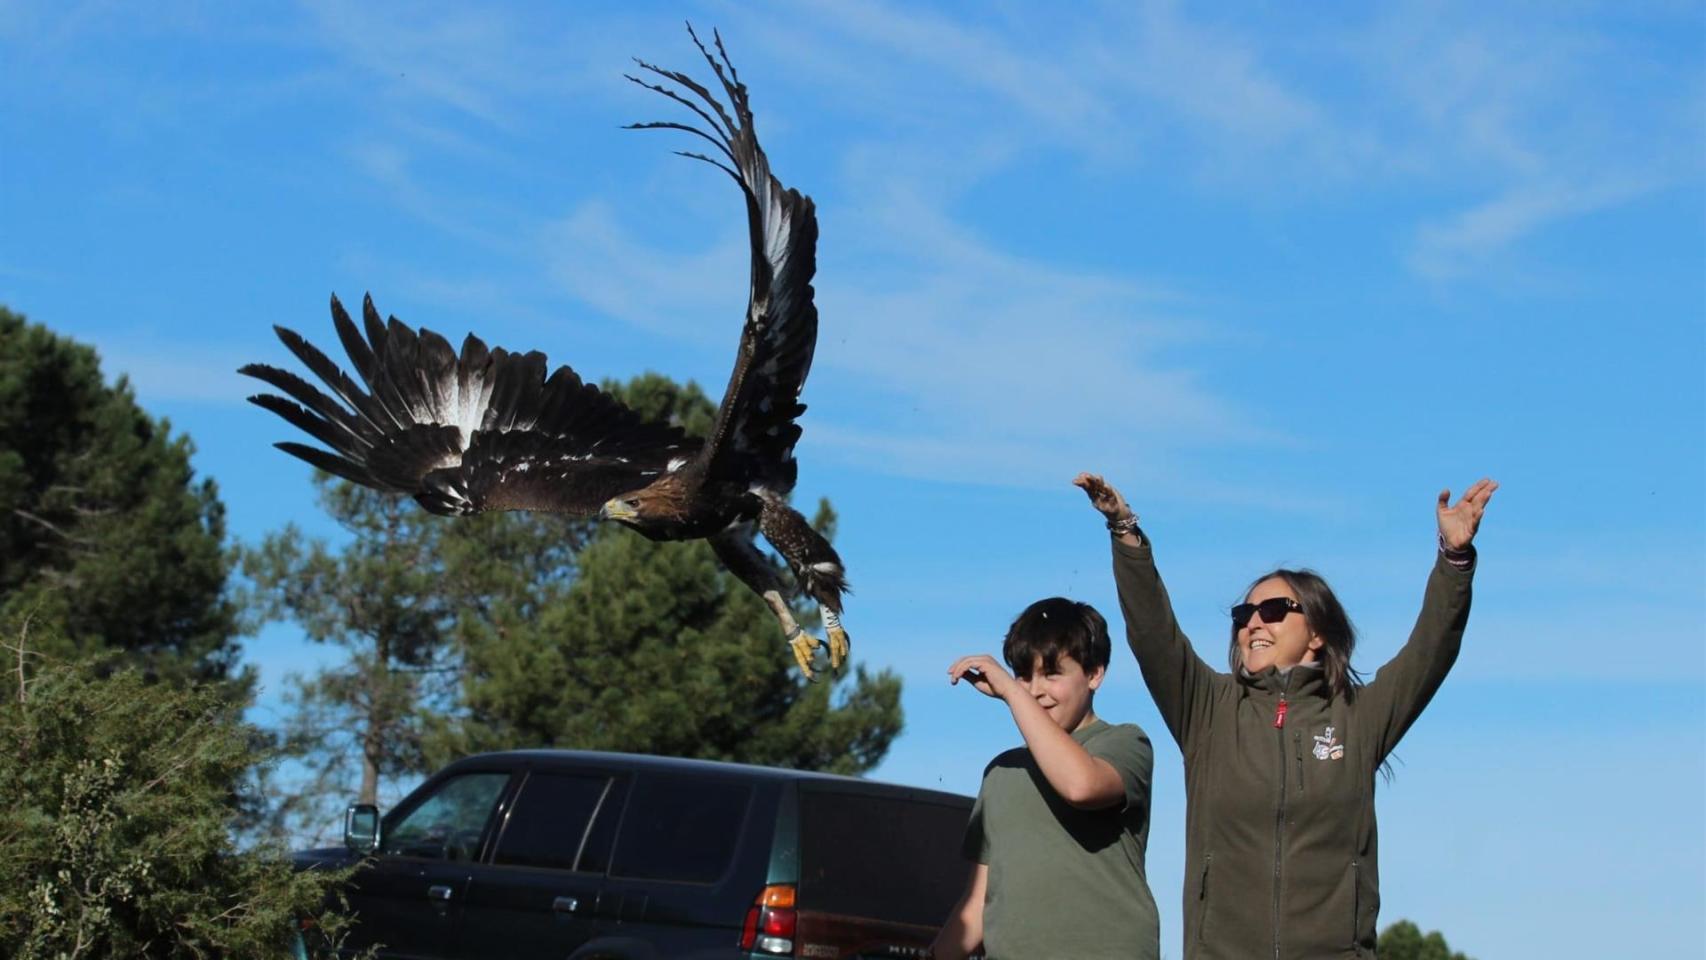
(986, 675)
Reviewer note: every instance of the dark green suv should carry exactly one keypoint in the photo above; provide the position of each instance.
(566, 854)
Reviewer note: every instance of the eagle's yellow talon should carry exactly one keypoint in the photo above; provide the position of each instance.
(838, 647)
(804, 646)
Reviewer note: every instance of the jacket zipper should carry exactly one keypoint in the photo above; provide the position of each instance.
(1202, 896)
(1297, 754)
(1279, 812)
(1356, 905)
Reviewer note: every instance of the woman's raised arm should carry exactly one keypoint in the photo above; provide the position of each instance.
(1178, 680)
(1406, 683)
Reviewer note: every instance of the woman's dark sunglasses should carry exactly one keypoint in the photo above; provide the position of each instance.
(1273, 610)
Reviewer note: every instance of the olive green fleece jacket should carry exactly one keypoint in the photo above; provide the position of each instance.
(1280, 847)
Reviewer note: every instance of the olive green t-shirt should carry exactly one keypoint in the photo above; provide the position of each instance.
(1065, 882)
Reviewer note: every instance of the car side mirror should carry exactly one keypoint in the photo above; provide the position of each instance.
(361, 828)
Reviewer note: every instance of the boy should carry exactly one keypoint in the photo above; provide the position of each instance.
(1061, 824)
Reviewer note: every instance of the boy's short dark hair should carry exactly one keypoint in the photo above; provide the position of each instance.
(1053, 627)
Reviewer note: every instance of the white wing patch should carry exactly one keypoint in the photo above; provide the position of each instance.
(447, 403)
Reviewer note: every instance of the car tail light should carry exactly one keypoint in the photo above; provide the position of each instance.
(769, 926)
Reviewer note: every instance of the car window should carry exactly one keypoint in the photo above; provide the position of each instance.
(601, 839)
(449, 823)
(548, 821)
(881, 857)
(680, 828)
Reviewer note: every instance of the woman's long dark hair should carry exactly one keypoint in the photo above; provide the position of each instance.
(1326, 618)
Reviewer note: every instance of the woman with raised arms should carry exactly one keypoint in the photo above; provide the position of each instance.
(1281, 752)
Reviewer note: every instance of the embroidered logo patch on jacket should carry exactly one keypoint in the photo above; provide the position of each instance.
(1328, 747)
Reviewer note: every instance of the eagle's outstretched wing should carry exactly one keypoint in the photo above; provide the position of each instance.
(754, 436)
(464, 434)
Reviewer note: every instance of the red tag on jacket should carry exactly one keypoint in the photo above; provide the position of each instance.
(1279, 714)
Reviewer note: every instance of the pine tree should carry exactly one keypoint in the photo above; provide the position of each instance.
(108, 542)
(380, 596)
(655, 649)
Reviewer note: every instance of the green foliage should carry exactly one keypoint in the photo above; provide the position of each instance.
(116, 834)
(1404, 940)
(107, 540)
(653, 648)
(381, 596)
(657, 397)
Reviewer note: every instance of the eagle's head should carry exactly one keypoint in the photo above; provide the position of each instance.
(660, 505)
(661, 502)
(623, 509)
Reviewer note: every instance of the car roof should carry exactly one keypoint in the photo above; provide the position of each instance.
(656, 764)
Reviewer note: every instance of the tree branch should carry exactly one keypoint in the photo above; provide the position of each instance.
(68, 537)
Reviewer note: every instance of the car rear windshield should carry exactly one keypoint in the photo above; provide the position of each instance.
(886, 858)
(680, 828)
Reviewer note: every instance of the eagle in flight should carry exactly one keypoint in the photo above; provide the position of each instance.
(487, 430)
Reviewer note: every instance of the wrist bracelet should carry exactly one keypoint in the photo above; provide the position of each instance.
(1120, 528)
(1457, 558)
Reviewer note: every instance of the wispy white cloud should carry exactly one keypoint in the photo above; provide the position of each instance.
(1219, 89)
(1114, 83)
(597, 259)
(940, 355)
(1451, 100)
(1053, 93)
(162, 371)
(1520, 109)
(390, 166)
(1465, 241)
(469, 60)
(1433, 97)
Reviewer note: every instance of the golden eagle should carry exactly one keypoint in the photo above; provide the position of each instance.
(487, 430)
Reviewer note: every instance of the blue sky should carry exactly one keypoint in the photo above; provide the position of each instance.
(1280, 272)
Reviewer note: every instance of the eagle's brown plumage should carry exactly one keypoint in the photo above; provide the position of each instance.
(486, 430)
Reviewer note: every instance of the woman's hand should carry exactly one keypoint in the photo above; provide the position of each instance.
(1457, 524)
(985, 674)
(1102, 496)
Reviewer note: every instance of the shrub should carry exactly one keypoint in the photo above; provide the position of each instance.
(117, 834)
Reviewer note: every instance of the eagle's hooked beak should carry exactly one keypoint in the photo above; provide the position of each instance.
(617, 508)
